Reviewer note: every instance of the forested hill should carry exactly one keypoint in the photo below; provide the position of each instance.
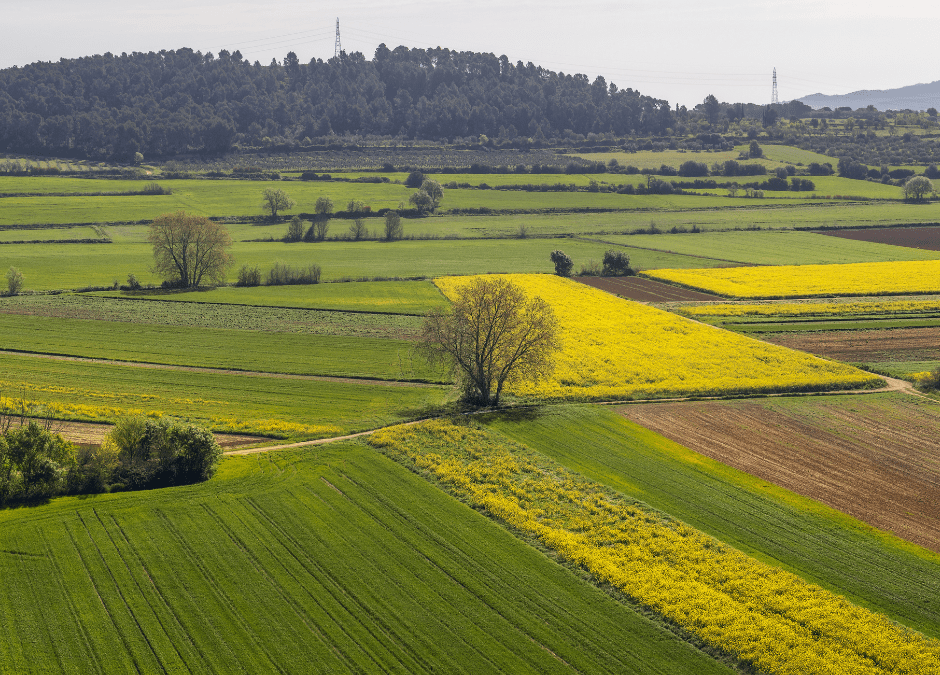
(172, 102)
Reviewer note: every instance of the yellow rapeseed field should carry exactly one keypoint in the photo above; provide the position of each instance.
(773, 618)
(785, 309)
(804, 281)
(617, 349)
(102, 413)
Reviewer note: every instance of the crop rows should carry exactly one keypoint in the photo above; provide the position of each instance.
(766, 616)
(334, 562)
(801, 535)
(155, 312)
(613, 348)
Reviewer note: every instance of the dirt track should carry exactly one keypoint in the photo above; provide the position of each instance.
(877, 461)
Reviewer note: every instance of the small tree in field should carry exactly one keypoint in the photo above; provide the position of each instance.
(492, 336)
(14, 281)
(617, 264)
(188, 250)
(917, 188)
(358, 230)
(321, 224)
(393, 226)
(274, 200)
(295, 231)
(563, 263)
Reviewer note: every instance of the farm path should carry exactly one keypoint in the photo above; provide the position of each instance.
(220, 371)
(893, 385)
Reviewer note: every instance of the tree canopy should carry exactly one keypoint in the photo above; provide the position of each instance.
(170, 102)
(189, 249)
(493, 335)
(274, 200)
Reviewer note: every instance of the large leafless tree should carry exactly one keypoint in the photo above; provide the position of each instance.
(189, 249)
(492, 336)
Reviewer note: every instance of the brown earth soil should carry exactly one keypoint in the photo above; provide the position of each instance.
(93, 434)
(927, 238)
(877, 460)
(866, 346)
(644, 290)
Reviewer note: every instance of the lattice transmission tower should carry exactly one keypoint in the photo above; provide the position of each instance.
(773, 96)
(339, 47)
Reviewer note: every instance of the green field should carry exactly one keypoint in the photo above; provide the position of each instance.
(774, 248)
(769, 523)
(393, 297)
(299, 354)
(328, 560)
(49, 234)
(70, 266)
(136, 308)
(273, 405)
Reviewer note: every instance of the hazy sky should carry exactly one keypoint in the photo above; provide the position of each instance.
(678, 50)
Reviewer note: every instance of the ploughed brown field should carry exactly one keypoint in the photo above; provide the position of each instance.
(644, 290)
(874, 457)
(866, 346)
(913, 237)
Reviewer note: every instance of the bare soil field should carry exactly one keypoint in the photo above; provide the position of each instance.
(866, 346)
(644, 290)
(87, 433)
(927, 238)
(876, 458)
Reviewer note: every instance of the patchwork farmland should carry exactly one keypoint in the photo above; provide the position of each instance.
(761, 531)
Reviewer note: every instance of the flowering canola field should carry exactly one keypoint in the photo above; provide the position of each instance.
(802, 281)
(759, 613)
(617, 349)
(787, 309)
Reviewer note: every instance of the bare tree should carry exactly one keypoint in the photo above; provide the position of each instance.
(492, 336)
(189, 249)
(393, 226)
(275, 199)
(358, 230)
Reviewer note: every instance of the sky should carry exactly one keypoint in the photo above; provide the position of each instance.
(677, 50)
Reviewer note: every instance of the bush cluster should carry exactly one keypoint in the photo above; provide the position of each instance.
(139, 453)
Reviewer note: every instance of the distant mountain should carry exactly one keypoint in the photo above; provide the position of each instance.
(913, 97)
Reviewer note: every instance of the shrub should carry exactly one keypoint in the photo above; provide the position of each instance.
(14, 281)
(133, 283)
(285, 275)
(156, 453)
(616, 264)
(563, 263)
(414, 180)
(295, 230)
(34, 463)
(692, 168)
(590, 269)
(249, 276)
(156, 189)
(931, 381)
